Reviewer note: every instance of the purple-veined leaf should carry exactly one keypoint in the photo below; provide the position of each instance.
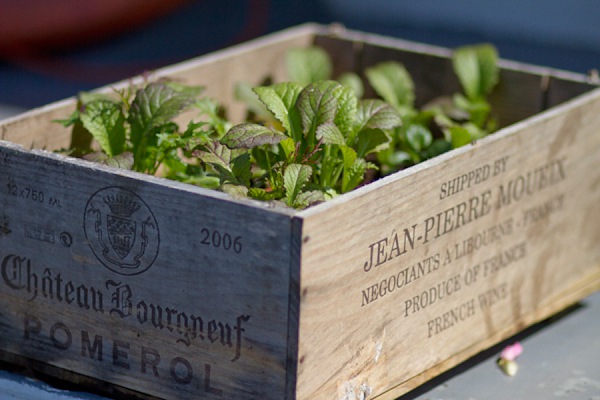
(294, 179)
(217, 154)
(374, 113)
(309, 198)
(347, 107)
(123, 160)
(329, 133)
(249, 135)
(155, 105)
(318, 103)
(280, 100)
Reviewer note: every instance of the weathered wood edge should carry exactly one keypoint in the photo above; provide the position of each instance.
(149, 179)
(293, 309)
(559, 302)
(415, 169)
(68, 163)
(440, 51)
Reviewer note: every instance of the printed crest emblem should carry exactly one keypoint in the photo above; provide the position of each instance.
(121, 231)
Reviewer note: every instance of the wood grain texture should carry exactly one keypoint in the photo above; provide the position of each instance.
(151, 285)
(369, 295)
(402, 278)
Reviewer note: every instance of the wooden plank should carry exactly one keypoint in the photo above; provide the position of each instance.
(561, 89)
(154, 286)
(405, 277)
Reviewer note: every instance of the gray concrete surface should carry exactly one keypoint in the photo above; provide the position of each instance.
(560, 360)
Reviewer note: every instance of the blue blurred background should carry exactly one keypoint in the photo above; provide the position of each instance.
(80, 52)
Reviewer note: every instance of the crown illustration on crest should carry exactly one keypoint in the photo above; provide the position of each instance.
(121, 205)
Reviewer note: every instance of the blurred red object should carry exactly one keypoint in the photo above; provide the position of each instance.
(32, 27)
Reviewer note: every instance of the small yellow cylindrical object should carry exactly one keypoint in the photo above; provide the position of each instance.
(509, 367)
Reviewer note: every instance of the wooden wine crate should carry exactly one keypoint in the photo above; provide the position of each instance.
(365, 296)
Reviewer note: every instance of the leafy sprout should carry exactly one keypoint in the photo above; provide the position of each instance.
(309, 139)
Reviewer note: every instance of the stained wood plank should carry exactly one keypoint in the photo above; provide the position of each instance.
(414, 273)
(153, 286)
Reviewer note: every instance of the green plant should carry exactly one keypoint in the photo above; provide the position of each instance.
(458, 120)
(136, 130)
(319, 152)
(307, 140)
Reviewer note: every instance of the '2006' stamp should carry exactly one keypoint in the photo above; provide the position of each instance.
(121, 230)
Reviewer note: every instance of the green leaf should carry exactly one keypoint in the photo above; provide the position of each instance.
(355, 175)
(309, 198)
(261, 194)
(348, 157)
(198, 179)
(353, 81)
(370, 140)
(123, 160)
(392, 82)
(235, 191)
(249, 135)
(88, 97)
(242, 168)
(346, 112)
(398, 158)
(294, 179)
(192, 91)
(487, 56)
(211, 110)
(106, 122)
(330, 134)
(280, 100)
(288, 146)
(155, 105)
(216, 153)
(478, 108)
(447, 107)
(418, 137)
(439, 146)
(244, 92)
(70, 120)
(477, 69)
(474, 131)
(374, 114)
(317, 104)
(460, 136)
(306, 65)
(466, 67)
